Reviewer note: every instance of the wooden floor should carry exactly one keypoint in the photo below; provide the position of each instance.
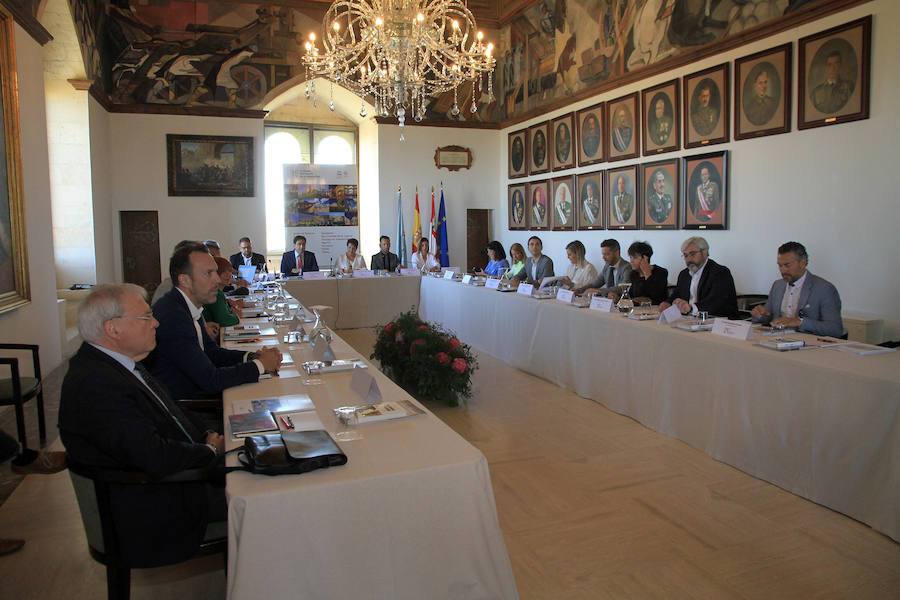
(591, 503)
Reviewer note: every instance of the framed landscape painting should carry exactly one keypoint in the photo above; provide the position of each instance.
(210, 165)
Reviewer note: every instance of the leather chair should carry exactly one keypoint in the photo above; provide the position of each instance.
(18, 390)
(92, 485)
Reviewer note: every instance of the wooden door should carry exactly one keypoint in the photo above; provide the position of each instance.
(477, 237)
(140, 248)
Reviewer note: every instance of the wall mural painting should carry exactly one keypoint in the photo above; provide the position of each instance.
(230, 54)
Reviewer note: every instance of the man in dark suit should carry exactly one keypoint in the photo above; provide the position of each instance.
(615, 271)
(385, 260)
(247, 256)
(186, 360)
(114, 414)
(800, 299)
(292, 265)
(705, 285)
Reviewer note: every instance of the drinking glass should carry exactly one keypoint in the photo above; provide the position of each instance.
(347, 421)
(646, 308)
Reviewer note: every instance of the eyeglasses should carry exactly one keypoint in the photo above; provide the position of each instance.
(691, 254)
(144, 317)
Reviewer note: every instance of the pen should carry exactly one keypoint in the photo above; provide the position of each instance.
(286, 424)
(290, 421)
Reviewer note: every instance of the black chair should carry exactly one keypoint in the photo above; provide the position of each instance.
(746, 303)
(92, 486)
(18, 390)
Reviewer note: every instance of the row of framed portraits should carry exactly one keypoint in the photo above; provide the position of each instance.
(685, 193)
(833, 87)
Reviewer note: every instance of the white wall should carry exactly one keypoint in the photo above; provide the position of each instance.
(410, 163)
(137, 181)
(101, 196)
(37, 322)
(834, 189)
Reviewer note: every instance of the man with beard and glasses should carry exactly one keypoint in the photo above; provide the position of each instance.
(705, 285)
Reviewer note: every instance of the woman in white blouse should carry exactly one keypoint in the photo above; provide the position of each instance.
(423, 259)
(580, 272)
(350, 259)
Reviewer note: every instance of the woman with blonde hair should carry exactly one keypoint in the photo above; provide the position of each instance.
(580, 272)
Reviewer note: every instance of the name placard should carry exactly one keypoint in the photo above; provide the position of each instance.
(492, 283)
(364, 273)
(467, 279)
(565, 296)
(365, 386)
(602, 304)
(313, 275)
(454, 269)
(414, 272)
(738, 330)
(525, 289)
(448, 274)
(670, 315)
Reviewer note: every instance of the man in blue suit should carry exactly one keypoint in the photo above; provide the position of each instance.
(186, 360)
(800, 299)
(291, 259)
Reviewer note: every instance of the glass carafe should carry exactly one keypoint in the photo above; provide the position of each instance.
(625, 302)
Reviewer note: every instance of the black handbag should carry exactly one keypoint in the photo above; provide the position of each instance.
(290, 452)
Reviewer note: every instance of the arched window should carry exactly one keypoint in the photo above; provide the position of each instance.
(333, 149)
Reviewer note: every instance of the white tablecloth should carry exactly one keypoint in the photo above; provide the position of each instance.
(821, 424)
(411, 515)
(358, 301)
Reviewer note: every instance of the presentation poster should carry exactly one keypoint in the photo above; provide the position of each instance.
(321, 202)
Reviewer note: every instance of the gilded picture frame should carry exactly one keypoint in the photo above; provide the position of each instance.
(833, 82)
(210, 165)
(14, 285)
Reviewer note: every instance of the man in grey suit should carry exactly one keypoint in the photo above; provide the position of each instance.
(537, 266)
(614, 271)
(800, 299)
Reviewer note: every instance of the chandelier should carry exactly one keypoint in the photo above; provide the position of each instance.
(401, 52)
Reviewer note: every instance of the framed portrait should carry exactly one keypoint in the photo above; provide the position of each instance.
(591, 207)
(706, 107)
(623, 124)
(538, 155)
(661, 110)
(210, 165)
(762, 93)
(624, 193)
(563, 132)
(705, 194)
(517, 214)
(833, 86)
(661, 194)
(14, 287)
(590, 134)
(518, 149)
(537, 193)
(563, 206)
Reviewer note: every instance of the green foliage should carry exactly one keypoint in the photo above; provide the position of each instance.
(425, 360)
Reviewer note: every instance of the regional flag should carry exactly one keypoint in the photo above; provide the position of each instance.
(433, 236)
(442, 229)
(417, 226)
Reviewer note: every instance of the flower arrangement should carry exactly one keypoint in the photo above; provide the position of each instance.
(425, 360)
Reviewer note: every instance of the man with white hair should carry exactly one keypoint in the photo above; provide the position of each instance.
(114, 414)
(705, 285)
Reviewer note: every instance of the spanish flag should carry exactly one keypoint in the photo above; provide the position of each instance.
(417, 226)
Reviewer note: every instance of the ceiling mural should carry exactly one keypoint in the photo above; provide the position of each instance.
(231, 54)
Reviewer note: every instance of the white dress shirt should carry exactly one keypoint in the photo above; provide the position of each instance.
(344, 263)
(791, 298)
(695, 283)
(429, 261)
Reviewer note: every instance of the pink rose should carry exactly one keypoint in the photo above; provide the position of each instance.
(453, 344)
(442, 358)
(459, 365)
(389, 328)
(398, 337)
(415, 344)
